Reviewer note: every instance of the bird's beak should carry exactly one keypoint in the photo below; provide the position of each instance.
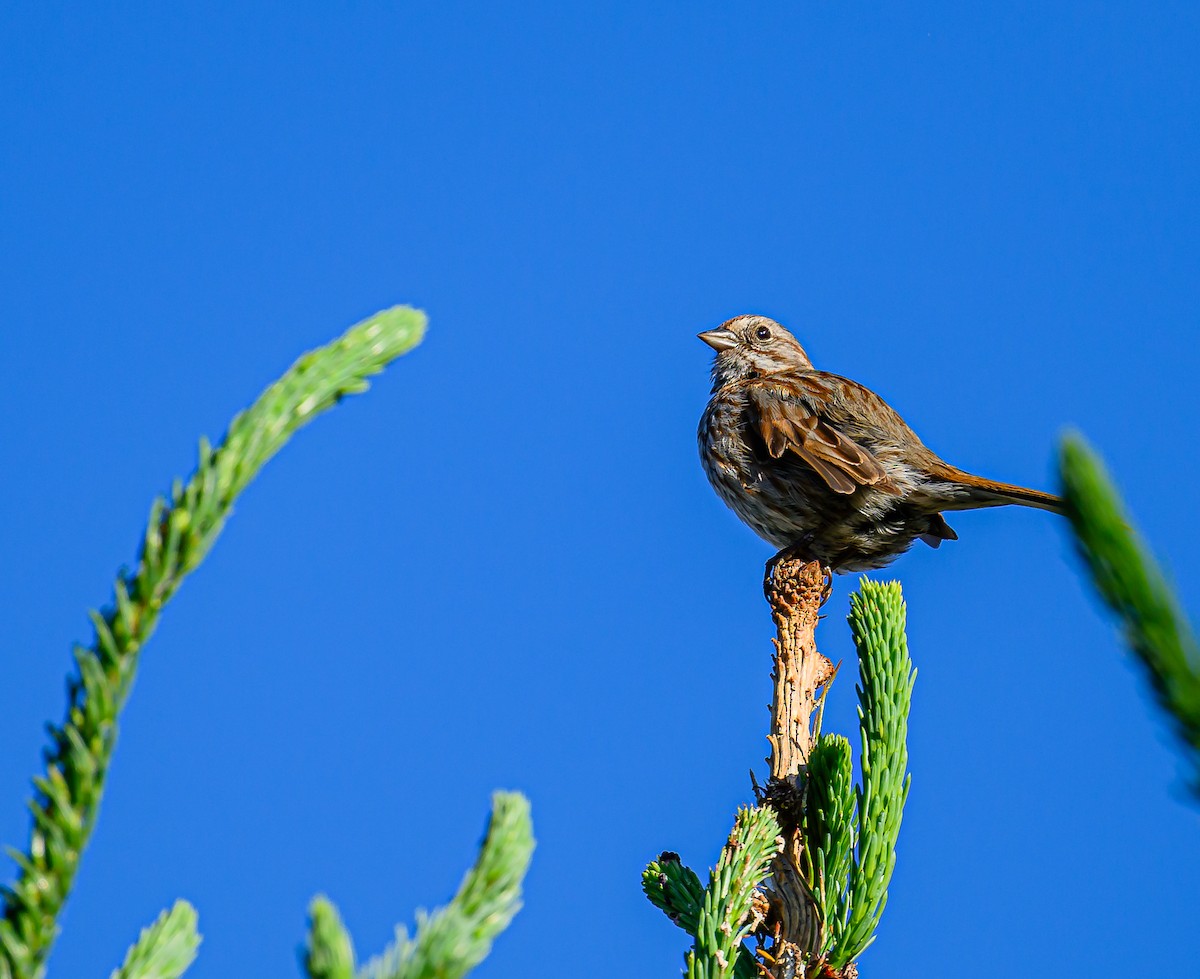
(719, 340)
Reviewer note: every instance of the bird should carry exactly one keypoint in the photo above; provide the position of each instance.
(821, 466)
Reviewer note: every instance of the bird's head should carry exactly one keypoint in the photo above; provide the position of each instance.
(751, 346)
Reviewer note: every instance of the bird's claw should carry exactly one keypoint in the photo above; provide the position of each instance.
(800, 551)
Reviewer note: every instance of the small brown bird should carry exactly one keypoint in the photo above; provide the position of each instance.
(816, 462)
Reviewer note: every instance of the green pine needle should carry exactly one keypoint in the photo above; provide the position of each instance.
(165, 949)
(675, 890)
(453, 940)
(886, 677)
(330, 953)
(1131, 583)
(724, 919)
(181, 530)
(829, 832)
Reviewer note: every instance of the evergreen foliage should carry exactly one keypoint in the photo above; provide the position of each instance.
(886, 677)
(165, 949)
(330, 953)
(724, 919)
(180, 531)
(675, 890)
(849, 832)
(453, 940)
(717, 916)
(1131, 583)
(830, 830)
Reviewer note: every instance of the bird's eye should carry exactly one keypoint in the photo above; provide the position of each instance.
(763, 333)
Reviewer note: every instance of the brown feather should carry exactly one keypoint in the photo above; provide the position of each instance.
(938, 531)
(983, 492)
(836, 479)
(787, 422)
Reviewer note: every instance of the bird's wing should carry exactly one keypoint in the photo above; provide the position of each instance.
(791, 422)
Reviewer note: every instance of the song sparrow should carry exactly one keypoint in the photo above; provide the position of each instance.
(816, 462)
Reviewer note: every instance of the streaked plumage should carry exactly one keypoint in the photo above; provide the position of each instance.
(816, 461)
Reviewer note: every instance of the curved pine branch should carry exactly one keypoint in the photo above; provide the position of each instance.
(181, 530)
(1131, 583)
(453, 940)
(724, 920)
(165, 949)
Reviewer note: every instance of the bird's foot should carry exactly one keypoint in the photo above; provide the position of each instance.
(800, 551)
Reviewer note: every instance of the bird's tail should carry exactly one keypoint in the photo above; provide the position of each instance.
(981, 492)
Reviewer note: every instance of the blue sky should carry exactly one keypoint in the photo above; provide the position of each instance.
(503, 567)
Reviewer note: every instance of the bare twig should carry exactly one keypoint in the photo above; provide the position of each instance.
(795, 588)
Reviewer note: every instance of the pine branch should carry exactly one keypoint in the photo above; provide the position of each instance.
(886, 677)
(330, 953)
(721, 913)
(453, 940)
(795, 588)
(180, 532)
(675, 890)
(725, 921)
(165, 949)
(819, 895)
(1132, 584)
(830, 833)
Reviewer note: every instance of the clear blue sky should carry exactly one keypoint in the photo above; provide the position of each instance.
(503, 567)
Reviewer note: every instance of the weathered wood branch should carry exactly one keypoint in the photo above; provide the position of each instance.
(796, 589)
